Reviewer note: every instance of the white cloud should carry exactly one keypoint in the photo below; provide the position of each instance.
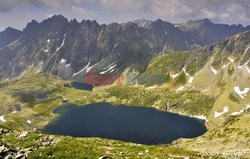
(209, 14)
(49, 15)
(223, 11)
(83, 12)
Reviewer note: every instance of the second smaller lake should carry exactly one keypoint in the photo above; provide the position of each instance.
(82, 86)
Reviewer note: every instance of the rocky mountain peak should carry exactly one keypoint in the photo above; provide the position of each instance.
(130, 26)
(74, 21)
(55, 22)
(9, 29)
(58, 18)
(31, 25)
(160, 25)
(9, 35)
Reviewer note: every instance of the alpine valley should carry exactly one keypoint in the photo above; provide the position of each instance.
(206, 76)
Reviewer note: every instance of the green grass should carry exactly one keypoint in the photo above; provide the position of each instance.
(233, 97)
(190, 102)
(95, 148)
(175, 62)
(68, 147)
(181, 79)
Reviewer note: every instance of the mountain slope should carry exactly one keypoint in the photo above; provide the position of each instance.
(8, 35)
(71, 49)
(211, 83)
(221, 70)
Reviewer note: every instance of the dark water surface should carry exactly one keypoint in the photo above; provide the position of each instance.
(126, 123)
(82, 86)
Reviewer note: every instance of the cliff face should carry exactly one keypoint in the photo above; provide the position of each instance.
(70, 49)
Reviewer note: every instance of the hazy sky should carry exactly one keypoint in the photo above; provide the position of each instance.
(17, 13)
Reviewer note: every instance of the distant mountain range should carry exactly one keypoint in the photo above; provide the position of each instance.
(70, 49)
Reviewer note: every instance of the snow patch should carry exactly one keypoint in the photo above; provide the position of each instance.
(224, 66)
(90, 67)
(245, 64)
(235, 114)
(46, 50)
(87, 68)
(152, 87)
(164, 48)
(196, 45)
(200, 117)
(63, 61)
(12, 43)
(190, 80)
(57, 49)
(180, 88)
(247, 49)
(48, 40)
(218, 114)
(184, 70)
(202, 37)
(187, 44)
(230, 59)
(82, 69)
(247, 106)
(241, 111)
(110, 68)
(248, 70)
(174, 75)
(2, 120)
(240, 67)
(213, 70)
(68, 65)
(243, 93)
(23, 135)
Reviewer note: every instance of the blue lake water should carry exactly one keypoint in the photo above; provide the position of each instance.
(127, 123)
(82, 86)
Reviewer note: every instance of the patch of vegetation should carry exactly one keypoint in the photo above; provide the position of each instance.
(25, 97)
(172, 63)
(231, 70)
(14, 142)
(190, 102)
(95, 148)
(233, 97)
(217, 61)
(166, 78)
(222, 84)
(181, 79)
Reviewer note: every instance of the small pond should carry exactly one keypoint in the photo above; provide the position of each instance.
(82, 86)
